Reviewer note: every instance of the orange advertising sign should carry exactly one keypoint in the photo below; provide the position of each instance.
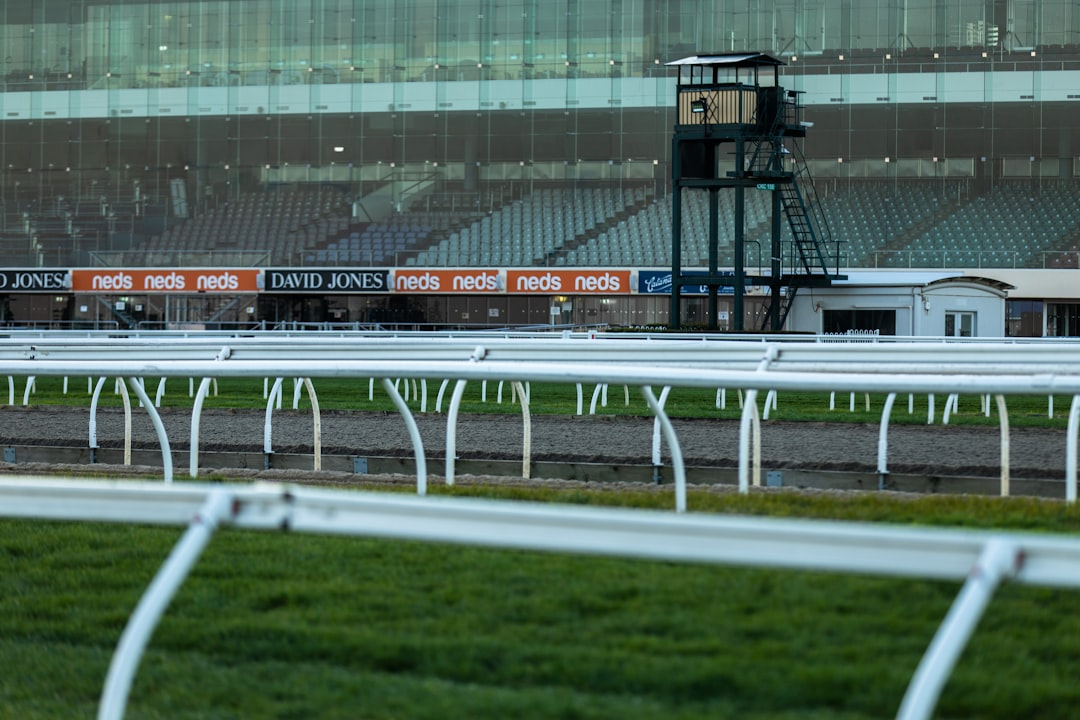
(166, 280)
(568, 282)
(446, 281)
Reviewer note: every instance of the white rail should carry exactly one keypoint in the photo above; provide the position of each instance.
(981, 559)
(902, 356)
(969, 368)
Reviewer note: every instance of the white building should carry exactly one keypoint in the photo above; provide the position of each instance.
(915, 303)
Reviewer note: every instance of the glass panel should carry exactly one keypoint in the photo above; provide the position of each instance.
(1025, 318)
(1023, 21)
(922, 24)
(1062, 319)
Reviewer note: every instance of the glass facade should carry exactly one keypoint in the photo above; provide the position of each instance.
(125, 105)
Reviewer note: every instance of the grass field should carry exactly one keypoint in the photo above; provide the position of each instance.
(272, 626)
(275, 626)
(340, 394)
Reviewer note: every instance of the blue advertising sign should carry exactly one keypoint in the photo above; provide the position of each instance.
(655, 282)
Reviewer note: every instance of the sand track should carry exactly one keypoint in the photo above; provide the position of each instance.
(918, 449)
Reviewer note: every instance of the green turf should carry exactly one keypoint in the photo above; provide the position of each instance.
(354, 394)
(289, 626)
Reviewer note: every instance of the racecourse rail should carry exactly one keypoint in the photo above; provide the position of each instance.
(746, 363)
(982, 560)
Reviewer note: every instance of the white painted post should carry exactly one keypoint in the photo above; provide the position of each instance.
(1000, 559)
(673, 445)
(1071, 442)
(136, 635)
(1003, 412)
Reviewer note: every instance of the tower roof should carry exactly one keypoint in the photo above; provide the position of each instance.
(730, 60)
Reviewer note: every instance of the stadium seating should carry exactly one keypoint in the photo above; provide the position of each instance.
(920, 223)
(269, 228)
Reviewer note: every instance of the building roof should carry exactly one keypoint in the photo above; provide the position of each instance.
(916, 278)
(734, 60)
(895, 277)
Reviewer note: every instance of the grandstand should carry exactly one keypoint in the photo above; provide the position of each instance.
(526, 136)
(881, 224)
(256, 228)
(907, 223)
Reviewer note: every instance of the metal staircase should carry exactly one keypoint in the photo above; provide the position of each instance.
(122, 318)
(811, 237)
(810, 243)
(811, 255)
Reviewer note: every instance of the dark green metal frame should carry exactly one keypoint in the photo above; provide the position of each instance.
(721, 101)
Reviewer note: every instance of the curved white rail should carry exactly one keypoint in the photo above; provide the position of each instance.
(451, 430)
(274, 397)
(93, 444)
(1003, 413)
(30, 382)
(196, 422)
(316, 423)
(974, 368)
(883, 441)
(157, 597)
(122, 386)
(673, 446)
(656, 455)
(159, 428)
(414, 434)
(526, 419)
(1000, 559)
(1071, 450)
(268, 431)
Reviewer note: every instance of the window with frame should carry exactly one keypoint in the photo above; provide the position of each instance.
(883, 321)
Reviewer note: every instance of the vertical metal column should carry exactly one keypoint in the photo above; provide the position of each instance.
(737, 322)
(676, 236)
(714, 253)
(776, 267)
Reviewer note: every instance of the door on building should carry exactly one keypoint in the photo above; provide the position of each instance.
(959, 324)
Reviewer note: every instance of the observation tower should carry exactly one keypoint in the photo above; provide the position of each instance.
(737, 129)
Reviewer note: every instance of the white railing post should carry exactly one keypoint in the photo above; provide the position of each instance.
(217, 507)
(673, 445)
(883, 442)
(1071, 441)
(1000, 559)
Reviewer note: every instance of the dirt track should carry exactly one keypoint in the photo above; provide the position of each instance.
(921, 449)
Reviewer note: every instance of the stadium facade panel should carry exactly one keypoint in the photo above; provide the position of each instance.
(134, 133)
(229, 95)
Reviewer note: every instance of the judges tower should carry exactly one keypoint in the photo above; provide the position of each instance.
(737, 129)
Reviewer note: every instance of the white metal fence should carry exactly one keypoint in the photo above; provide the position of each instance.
(750, 364)
(981, 559)
(985, 559)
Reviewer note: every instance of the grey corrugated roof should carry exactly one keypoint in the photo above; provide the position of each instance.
(729, 60)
